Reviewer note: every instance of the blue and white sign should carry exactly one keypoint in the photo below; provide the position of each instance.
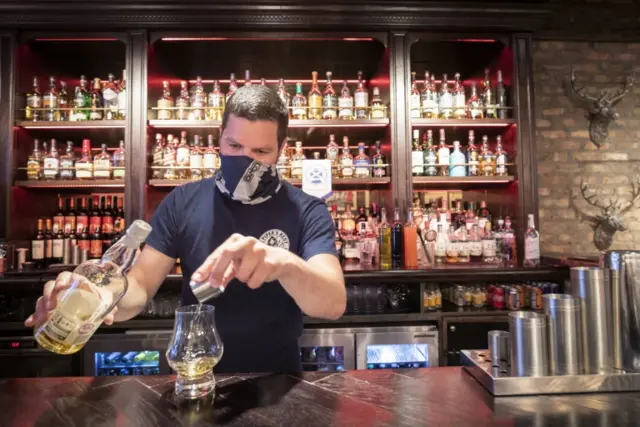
(316, 178)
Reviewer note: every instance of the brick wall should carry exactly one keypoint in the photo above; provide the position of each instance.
(565, 153)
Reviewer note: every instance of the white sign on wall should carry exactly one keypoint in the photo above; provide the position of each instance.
(316, 178)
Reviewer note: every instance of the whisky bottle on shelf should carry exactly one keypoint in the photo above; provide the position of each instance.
(414, 98)
(110, 97)
(475, 245)
(346, 160)
(315, 98)
(430, 154)
(333, 151)
(118, 161)
(63, 102)
(361, 99)
(67, 162)
(488, 97)
(182, 102)
(397, 241)
(50, 101)
(410, 241)
(384, 236)
(195, 159)
(247, 77)
(487, 159)
(429, 98)
(165, 103)
(457, 161)
(443, 156)
(475, 105)
(501, 96)
(233, 86)
(198, 101)
(52, 163)
(299, 104)
(452, 246)
(34, 103)
(209, 159)
(501, 158)
(509, 254)
(329, 100)
(84, 165)
(296, 161)
(169, 157)
(446, 99)
(96, 103)
(157, 152)
(473, 158)
(417, 155)
(284, 162)
(379, 162)
(489, 248)
(120, 222)
(182, 157)
(442, 242)
(122, 96)
(34, 162)
(345, 103)
(459, 99)
(378, 110)
(283, 94)
(81, 101)
(102, 164)
(464, 248)
(216, 102)
(362, 163)
(531, 244)
(37, 245)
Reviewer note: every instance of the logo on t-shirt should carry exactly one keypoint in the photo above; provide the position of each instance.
(276, 238)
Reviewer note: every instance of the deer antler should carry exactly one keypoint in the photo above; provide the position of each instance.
(635, 195)
(620, 93)
(579, 90)
(590, 199)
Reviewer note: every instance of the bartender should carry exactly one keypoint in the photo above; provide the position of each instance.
(269, 244)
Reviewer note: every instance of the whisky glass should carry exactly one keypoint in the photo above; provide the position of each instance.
(194, 350)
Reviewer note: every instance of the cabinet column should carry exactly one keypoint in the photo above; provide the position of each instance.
(7, 105)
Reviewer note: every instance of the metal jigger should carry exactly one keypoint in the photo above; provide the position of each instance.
(204, 291)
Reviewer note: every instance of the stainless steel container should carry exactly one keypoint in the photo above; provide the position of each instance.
(590, 285)
(529, 357)
(498, 347)
(563, 331)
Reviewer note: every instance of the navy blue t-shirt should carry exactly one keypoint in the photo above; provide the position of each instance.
(259, 328)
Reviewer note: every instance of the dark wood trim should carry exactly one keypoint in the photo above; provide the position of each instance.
(27, 36)
(136, 130)
(7, 101)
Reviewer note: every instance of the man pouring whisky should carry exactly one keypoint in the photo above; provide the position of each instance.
(269, 245)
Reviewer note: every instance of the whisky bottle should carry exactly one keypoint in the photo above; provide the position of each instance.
(296, 161)
(84, 165)
(67, 162)
(475, 105)
(52, 163)
(284, 162)
(182, 102)
(475, 245)
(83, 307)
(430, 155)
(489, 248)
(195, 159)
(299, 104)
(329, 100)
(414, 98)
(509, 253)
(501, 158)
(122, 96)
(50, 101)
(333, 151)
(531, 244)
(378, 110)
(345, 103)
(210, 159)
(459, 99)
(102, 164)
(452, 246)
(315, 98)
(165, 103)
(384, 244)
(501, 97)
(379, 162)
(473, 159)
(34, 163)
(443, 156)
(464, 247)
(361, 99)
(169, 157)
(216, 102)
(488, 97)
(110, 97)
(118, 160)
(198, 101)
(442, 242)
(346, 160)
(362, 163)
(427, 98)
(457, 161)
(283, 94)
(397, 241)
(96, 104)
(487, 159)
(81, 101)
(37, 245)
(34, 103)
(233, 86)
(417, 156)
(182, 157)
(446, 99)
(157, 151)
(63, 103)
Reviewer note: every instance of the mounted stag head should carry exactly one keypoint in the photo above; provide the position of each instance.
(601, 110)
(609, 220)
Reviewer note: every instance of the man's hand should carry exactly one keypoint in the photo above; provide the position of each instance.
(244, 258)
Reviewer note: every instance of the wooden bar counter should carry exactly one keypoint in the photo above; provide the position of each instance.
(446, 397)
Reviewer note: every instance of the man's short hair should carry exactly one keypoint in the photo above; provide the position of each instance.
(257, 102)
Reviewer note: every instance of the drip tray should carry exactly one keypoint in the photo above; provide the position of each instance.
(497, 381)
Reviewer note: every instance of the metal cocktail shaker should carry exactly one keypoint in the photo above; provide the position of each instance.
(563, 330)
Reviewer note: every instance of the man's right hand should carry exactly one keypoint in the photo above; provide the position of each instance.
(49, 299)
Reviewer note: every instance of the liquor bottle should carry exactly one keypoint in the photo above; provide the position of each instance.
(362, 163)
(348, 221)
(34, 163)
(284, 94)
(345, 103)
(182, 102)
(299, 104)
(82, 216)
(410, 242)
(122, 96)
(70, 222)
(452, 246)
(350, 240)
(443, 156)
(34, 103)
(397, 241)
(57, 247)
(446, 99)
(475, 105)
(198, 101)
(379, 162)
(338, 238)
(165, 102)
(442, 242)
(333, 151)
(216, 102)
(107, 218)
(95, 244)
(81, 101)
(233, 86)
(58, 216)
(67, 162)
(48, 243)
(417, 155)
(487, 159)
(464, 248)
(37, 245)
(63, 102)
(430, 154)
(296, 161)
(96, 103)
(195, 159)
(531, 244)
(485, 218)
(84, 165)
(169, 157)
(475, 245)
(509, 254)
(329, 100)
(315, 99)
(84, 240)
(414, 98)
(473, 158)
(361, 98)
(501, 158)
(459, 99)
(52, 163)
(118, 160)
(501, 96)
(378, 110)
(429, 99)
(346, 160)
(247, 77)
(102, 164)
(362, 222)
(50, 101)
(182, 157)
(85, 304)
(157, 151)
(488, 97)
(120, 223)
(457, 161)
(283, 164)
(209, 159)
(110, 97)
(384, 236)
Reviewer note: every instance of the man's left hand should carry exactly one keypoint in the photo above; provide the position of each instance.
(243, 258)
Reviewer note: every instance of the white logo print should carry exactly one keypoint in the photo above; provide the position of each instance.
(276, 238)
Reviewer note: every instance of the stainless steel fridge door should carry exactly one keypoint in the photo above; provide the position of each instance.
(328, 350)
(397, 347)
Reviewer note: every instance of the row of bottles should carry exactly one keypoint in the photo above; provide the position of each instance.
(46, 163)
(196, 104)
(175, 158)
(429, 160)
(106, 100)
(452, 103)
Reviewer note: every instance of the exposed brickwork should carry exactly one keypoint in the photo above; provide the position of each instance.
(565, 154)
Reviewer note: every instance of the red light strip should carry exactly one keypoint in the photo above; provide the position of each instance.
(464, 181)
(347, 39)
(453, 124)
(269, 81)
(104, 39)
(293, 124)
(475, 40)
(73, 127)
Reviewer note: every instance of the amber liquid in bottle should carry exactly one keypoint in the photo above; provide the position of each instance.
(410, 234)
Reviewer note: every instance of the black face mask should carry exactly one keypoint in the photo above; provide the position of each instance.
(246, 180)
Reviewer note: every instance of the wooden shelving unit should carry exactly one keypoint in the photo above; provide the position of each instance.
(88, 124)
(98, 183)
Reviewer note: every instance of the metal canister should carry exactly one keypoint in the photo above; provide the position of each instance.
(528, 344)
(497, 301)
(563, 330)
(498, 347)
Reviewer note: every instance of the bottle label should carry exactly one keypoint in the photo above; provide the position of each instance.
(84, 245)
(107, 224)
(453, 248)
(346, 107)
(95, 248)
(429, 105)
(37, 249)
(489, 248)
(58, 248)
(296, 168)
(361, 167)
(209, 160)
(82, 222)
(417, 162)
(69, 224)
(118, 173)
(443, 157)
(182, 156)
(414, 105)
(441, 248)
(94, 224)
(102, 168)
(315, 104)
(446, 101)
(475, 248)
(377, 111)
(66, 169)
(48, 249)
(347, 167)
(501, 168)
(361, 99)
(379, 171)
(464, 248)
(122, 101)
(195, 161)
(473, 163)
(532, 248)
(165, 114)
(84, 170)
(50, 167)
